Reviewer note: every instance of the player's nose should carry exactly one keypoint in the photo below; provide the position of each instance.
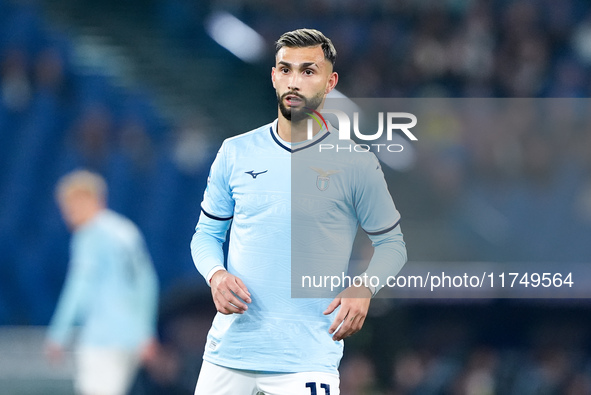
(294, 82)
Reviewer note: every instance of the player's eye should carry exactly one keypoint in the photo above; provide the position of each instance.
(284, 70)
(308, 72)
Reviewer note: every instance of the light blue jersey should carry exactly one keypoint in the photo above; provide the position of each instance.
(255, 182)
(336, 188)
(111, 289)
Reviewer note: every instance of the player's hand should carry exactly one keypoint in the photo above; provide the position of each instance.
(149, 351)
(229, 293)
(354, 302)
(54, 353)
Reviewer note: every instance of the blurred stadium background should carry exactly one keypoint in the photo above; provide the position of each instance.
(144, 91)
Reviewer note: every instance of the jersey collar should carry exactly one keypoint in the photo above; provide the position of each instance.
(295, 147)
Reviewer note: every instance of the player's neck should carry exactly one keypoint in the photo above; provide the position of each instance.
(88, 216)
(294, 132)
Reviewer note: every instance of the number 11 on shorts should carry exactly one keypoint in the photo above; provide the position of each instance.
(313, 388)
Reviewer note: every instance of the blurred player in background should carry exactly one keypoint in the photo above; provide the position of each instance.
(262, 340)
(111, 290)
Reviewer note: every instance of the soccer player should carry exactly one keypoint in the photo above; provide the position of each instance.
(111, 289)
(287, 204)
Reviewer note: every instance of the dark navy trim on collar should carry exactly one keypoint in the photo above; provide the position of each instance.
(279, 142)
(312, 143)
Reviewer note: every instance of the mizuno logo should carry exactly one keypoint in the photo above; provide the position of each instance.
(253, 174)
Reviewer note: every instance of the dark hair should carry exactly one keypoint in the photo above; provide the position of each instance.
(302, 38)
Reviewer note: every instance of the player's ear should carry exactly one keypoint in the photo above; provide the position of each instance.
(332, 82)
(273, 76)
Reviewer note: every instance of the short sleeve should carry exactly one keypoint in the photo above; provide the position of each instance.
(217, 199)
(375, 208)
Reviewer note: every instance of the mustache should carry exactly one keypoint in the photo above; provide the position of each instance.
(292, 94)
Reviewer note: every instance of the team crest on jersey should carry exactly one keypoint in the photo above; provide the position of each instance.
(323, 179)
(322, 183)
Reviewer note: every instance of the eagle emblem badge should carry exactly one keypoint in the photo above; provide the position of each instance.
(323, 179)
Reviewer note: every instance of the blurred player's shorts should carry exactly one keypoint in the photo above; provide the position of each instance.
(105, 371)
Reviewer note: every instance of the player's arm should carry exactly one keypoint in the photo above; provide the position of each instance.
(147, 288)
(210, 234)
(78, 288)
(379, 218)
(388, 258)
(206, 249)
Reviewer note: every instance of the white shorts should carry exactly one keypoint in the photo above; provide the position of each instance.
(105, 371)
(219, 380)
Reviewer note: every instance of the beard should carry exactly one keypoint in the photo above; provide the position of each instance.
(299, 114)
